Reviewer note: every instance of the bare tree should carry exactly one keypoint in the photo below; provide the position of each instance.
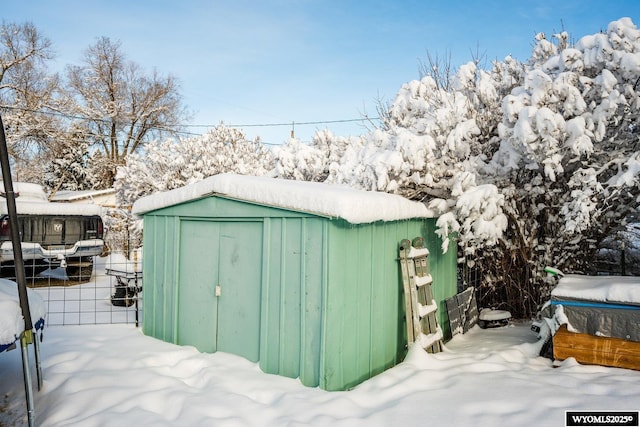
(122, 108)
(20, 44)
(26, 91)
(439, 68)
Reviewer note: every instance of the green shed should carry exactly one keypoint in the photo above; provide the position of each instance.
(301, 277)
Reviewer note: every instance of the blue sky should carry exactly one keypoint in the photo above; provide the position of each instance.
(257, 62)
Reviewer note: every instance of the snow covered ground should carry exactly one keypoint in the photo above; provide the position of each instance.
(113, 375)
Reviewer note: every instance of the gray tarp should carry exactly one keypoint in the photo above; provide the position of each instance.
(599, 318)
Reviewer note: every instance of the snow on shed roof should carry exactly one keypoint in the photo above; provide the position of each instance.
(355, 206)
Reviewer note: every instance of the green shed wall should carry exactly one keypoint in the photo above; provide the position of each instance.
(331, 308)
(364, 319)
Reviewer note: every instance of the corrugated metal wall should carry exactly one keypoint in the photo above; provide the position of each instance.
(295, 273)
(364, 331)
(160, 269)
(331, 310)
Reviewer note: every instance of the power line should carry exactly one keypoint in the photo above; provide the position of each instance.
(317, 122)
(194, 134)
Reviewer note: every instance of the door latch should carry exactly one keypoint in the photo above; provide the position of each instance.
(218, 290)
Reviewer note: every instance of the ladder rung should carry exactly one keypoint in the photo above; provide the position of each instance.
(422, 280)
(417, 253)
(427, 341)
(424, 310)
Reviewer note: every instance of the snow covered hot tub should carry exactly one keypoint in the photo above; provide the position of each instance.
(599, 318)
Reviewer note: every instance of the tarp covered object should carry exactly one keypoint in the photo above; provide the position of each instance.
(606, 306)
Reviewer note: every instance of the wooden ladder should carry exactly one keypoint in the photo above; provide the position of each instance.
(420, 306)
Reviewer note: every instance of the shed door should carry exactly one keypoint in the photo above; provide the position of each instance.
(228, 255)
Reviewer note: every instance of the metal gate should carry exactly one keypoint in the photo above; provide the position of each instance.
(105, 297)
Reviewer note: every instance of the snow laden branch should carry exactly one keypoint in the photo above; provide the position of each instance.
(477, 217)
(123, 108)
(26, 87)
(530, 164)
(169, 164)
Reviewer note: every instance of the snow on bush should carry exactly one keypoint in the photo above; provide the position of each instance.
(530, 164)
(169, 164)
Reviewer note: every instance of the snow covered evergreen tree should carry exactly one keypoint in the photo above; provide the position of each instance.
(68, 170)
